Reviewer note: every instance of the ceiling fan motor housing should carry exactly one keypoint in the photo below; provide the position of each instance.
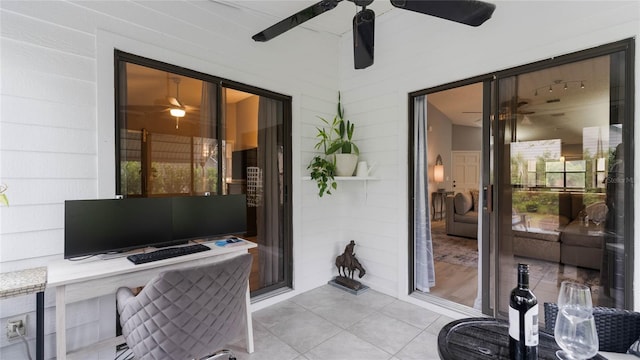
(362, 2)
(363, 35)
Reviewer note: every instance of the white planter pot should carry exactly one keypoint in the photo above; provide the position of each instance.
(346, 164)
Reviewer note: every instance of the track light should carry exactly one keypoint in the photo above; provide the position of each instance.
(567, 85)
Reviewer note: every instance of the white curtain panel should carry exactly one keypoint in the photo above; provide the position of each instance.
(424, 271)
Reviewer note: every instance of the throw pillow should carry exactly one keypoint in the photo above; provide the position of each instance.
(462, 203)
(597, 212)
(475, 195)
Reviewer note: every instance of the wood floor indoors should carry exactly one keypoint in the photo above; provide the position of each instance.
(457, 275)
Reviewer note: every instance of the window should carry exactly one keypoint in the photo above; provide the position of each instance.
(565, 174)
(184, 133)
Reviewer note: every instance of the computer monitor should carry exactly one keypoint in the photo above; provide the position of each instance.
(206, 216)
(109, 225)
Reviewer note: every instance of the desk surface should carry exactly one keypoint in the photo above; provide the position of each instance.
(94, 277)
(486, 338)
(64, 272)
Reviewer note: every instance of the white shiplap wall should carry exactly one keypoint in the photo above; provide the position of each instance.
(56, 111)
(56, 124)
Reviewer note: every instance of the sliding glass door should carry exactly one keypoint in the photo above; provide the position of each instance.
(185, 133)
(555, 181)
(560, 131)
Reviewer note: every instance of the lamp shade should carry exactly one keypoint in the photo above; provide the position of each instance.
(438, 170)
(438, 173)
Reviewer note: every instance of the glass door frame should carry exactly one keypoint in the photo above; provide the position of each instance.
(493, 156)
(221, 84)
(490, 168)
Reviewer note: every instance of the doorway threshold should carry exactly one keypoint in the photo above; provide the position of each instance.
(463, 310)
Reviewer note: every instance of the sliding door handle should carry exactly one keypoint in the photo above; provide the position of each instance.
(488, 198)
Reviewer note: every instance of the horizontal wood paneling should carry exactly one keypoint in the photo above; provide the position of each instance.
(49, 95)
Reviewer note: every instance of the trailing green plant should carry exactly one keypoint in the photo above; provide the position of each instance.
(335, 137)
(323, 172)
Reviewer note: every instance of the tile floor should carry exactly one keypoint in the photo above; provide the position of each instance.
(329, 324)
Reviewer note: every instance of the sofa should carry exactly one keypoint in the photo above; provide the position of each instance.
(561, 237)
(569, 241)
(462, 214)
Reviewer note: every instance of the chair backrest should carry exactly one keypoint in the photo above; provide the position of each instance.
(186, 313)
(617, 329)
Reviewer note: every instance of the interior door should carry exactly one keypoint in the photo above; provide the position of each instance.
(466, 170)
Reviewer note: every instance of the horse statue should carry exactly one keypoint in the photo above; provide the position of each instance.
(347, 262)
(357, 266)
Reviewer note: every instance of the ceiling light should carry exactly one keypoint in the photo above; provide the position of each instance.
(177, 112)
(568, 85)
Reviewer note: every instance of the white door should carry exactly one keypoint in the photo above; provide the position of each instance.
(466, 170)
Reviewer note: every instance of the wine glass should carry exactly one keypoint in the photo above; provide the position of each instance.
(575, 329)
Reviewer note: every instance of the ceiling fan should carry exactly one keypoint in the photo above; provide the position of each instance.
(173, 105)
(469, 12)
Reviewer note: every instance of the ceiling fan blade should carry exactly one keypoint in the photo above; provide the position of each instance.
(363, 35)
(469, 12)
(175, 102)
(295, 20)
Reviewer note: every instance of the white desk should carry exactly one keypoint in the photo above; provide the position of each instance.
(91, 278)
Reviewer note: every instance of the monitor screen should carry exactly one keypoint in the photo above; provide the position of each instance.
(102, 226)
(205, 216)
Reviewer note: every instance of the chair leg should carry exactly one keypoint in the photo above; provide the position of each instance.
(222, 354)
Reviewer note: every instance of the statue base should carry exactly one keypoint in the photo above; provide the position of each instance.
(349, 285)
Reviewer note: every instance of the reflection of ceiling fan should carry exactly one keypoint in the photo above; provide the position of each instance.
(173, 105)
(469, 12)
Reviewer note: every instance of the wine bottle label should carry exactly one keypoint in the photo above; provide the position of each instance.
(530, 325)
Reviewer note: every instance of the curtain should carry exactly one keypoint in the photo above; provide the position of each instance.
(208, 110)
(424, 269)
(206, 148)
(269, 208)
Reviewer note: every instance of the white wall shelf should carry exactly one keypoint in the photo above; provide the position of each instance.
(347, 178)
(364, 179)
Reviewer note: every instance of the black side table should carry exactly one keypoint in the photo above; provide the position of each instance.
(486, 338)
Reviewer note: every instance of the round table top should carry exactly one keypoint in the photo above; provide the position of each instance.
(486, 338)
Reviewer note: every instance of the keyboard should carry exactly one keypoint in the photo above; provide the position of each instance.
(166, 253)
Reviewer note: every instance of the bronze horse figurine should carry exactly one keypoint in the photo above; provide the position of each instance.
(347, 262)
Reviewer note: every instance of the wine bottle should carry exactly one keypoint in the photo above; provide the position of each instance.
(523, 319)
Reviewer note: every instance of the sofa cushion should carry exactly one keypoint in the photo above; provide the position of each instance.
(577, 234)
(470, 217)
(538, 234)
(475, 196)
(597, 212)
(462, 203)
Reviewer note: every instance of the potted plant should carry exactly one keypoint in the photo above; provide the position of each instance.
(340, 154)
(342, 147)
